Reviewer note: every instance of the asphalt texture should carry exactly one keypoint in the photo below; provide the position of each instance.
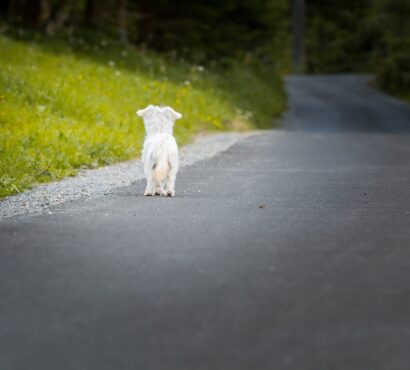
(289, 251)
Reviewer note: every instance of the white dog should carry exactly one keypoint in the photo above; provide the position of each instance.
(160, 150)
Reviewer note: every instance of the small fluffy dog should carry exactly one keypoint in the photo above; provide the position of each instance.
(160, 150)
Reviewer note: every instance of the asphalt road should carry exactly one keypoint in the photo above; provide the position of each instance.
(289, 251)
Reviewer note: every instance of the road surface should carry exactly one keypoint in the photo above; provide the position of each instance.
(289, 251)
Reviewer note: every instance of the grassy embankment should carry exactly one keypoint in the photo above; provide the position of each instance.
(67, 104)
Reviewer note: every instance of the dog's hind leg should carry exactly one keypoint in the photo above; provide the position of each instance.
(170, 186)
(160, 172)
(149, 174)
(150, 189)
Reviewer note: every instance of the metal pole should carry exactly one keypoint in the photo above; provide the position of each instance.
(298, 26)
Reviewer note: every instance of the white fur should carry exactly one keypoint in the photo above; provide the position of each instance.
(160, 150)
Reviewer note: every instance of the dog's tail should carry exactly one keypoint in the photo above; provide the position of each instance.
(161, 169)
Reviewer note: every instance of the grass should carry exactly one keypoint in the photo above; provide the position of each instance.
(69, 103)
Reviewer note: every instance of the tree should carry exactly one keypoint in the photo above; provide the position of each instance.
(122, 19)
(90, 12)
(298, 35)
(59, 17)
(32, 12)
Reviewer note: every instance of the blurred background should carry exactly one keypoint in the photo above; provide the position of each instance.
(72, 73)
(340, 36)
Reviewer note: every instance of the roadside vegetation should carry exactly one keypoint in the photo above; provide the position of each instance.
(68, 99)
(361, 36)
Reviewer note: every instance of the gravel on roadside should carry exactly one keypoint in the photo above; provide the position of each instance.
(102, 181)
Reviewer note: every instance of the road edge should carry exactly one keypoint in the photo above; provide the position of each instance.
(95, 183)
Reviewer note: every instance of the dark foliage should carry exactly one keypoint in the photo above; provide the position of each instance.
(200, 31)
(337, 36)
(361, 36)
(391, 57)
(210, 30)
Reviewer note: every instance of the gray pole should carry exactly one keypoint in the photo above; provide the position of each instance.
(298, 26)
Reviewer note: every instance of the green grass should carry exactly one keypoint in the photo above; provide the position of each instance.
(67, 104)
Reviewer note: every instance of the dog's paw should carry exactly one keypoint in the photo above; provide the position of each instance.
(170, 193)
(148, 193)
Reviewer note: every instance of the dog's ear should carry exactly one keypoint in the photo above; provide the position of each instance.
(171, 114)
(143, 112)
